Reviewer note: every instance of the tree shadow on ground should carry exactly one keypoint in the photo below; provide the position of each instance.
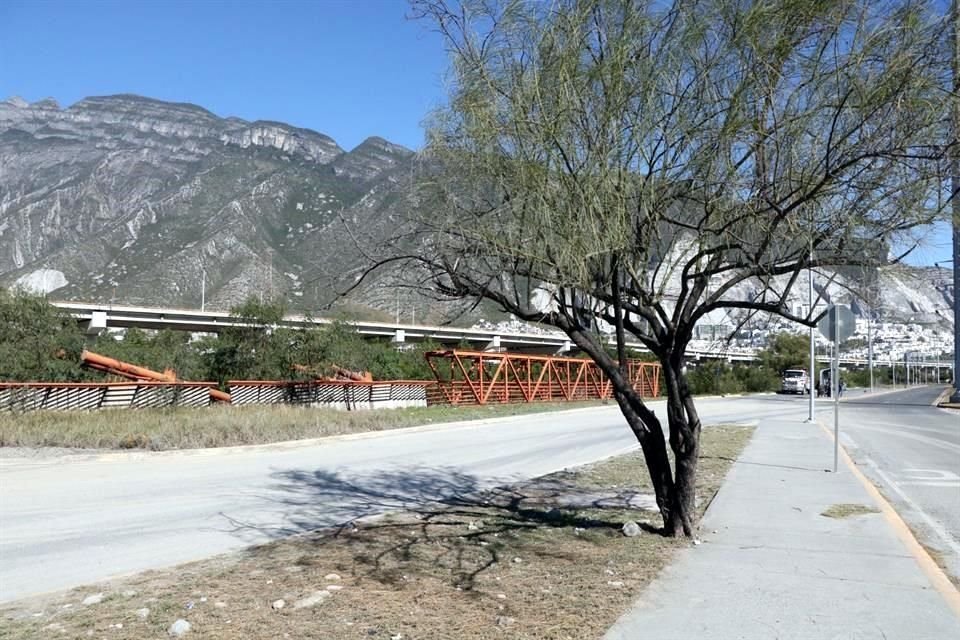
(441, 517)
(753, 463)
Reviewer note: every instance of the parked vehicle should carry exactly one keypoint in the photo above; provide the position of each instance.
(795, 381)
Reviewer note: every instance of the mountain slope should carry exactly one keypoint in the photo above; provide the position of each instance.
(142, 201)
(134, 199)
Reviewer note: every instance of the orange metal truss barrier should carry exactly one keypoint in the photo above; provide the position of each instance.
(129, 371)
(477, 377)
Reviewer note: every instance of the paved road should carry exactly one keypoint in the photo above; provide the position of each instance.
(911, 450)
(64, 522)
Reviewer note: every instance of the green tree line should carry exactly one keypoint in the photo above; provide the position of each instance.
(40, 342)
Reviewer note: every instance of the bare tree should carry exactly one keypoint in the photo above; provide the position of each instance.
(640, 164)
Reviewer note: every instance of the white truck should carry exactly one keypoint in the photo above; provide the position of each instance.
(795, 381)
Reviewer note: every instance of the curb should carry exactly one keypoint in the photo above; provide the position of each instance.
(736, 395)
(938, 578)
(284, 445)
(943, 402)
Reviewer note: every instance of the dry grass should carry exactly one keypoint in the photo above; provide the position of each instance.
(437, 571)
(846, 510)
(941, 558)
(218, 426)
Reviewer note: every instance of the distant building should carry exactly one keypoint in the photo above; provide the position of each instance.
(715, 325)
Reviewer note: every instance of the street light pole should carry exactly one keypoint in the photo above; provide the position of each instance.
(813, 343)
(835, 385)
(870, 345)
(955, 204)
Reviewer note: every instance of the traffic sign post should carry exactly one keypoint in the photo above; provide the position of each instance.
(839, 324)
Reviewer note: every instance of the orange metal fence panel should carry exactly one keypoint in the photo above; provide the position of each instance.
(67, 396)
(338, 394)
(479, 377)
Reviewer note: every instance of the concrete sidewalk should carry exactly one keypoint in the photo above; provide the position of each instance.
(771, 566)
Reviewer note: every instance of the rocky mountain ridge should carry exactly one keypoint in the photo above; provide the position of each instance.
(149, 202)
(139, 201)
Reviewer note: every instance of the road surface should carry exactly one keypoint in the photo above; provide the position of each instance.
(911, 451)
(66, 522)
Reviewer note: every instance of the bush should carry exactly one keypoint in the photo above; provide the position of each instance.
(713, 378)
(757, 378)
(37, 340)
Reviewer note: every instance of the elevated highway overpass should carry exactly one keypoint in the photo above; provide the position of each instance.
(97, 317)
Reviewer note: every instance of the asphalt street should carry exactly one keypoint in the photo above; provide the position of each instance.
(70, 521)
(911, 451)
(80, 519)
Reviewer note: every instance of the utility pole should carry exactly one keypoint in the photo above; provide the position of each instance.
(955, 203)
(813, 342)
(203, 289)
(835, 386)
(870, 345)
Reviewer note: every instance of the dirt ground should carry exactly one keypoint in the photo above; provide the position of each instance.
(542, 559)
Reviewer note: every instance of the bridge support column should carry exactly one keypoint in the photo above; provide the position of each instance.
(96, 325)
(493, 345)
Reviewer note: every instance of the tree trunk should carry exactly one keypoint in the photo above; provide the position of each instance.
(684, 424)
(683, 518)
(649, 433)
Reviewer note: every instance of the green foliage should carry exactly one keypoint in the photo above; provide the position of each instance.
(37, 340)
(757, 378)
(713, 378)
(786, 351)
(159, 351)
(256, 350)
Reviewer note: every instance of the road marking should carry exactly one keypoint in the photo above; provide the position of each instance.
(938, 578)
(929, 478)
(900, 432)
(929, 474)
(935, 526)
(931, 483)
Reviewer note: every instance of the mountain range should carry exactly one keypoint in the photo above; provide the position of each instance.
(135, 200)
(129, 199)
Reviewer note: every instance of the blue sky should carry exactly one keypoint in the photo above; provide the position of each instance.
(347, 69)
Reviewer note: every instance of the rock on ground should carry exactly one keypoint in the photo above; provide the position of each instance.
(96, 598)
(312, 600)
(631, 529)
(179, 628)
